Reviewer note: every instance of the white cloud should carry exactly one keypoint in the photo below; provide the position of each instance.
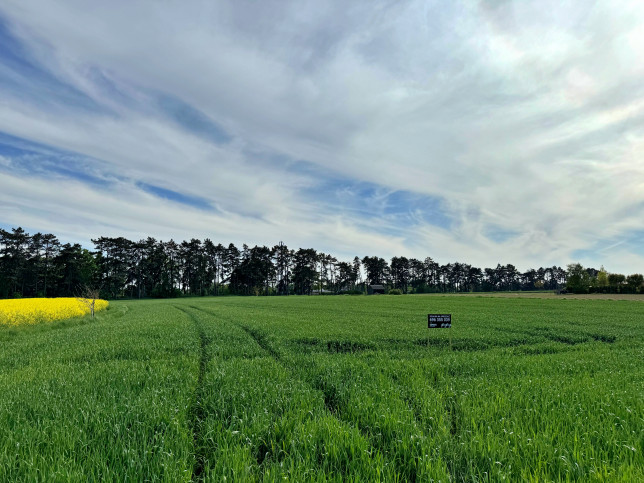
(524, 117)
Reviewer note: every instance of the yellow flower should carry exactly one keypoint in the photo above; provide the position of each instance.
(31, 311)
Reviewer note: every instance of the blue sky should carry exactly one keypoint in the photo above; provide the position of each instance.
(485, 132)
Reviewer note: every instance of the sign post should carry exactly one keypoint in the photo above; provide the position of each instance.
(440, 321)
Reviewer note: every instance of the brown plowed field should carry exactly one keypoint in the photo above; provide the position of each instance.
(551, 295)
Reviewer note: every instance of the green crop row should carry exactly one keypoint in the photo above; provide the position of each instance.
(328, 388)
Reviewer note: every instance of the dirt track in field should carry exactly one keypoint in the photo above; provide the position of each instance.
(551, 295)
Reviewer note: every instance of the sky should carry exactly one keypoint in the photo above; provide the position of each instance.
(482, 132)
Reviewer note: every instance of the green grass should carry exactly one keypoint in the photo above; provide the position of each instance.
(328, 388)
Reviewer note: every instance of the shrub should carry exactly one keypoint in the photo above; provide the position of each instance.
(395, 291)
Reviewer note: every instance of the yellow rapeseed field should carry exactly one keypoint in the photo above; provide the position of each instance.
(31, 311)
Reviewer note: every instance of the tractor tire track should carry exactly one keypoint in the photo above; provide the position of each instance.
(333, 401)
(196, 411)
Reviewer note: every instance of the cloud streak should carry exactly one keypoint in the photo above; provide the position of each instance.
(490, 132)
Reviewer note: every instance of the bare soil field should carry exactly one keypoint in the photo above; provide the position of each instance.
(552, 295)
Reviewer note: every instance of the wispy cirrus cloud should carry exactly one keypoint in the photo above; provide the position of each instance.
(486, 132)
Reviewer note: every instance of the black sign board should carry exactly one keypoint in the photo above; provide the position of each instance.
(439, 321)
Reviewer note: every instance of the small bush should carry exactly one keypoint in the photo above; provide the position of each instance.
(395, 291)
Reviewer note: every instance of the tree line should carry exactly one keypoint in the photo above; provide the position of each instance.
(40, 265)
(590, 280)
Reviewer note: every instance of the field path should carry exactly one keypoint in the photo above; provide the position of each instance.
(196, 411)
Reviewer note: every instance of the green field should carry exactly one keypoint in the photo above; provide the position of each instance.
(328, 388)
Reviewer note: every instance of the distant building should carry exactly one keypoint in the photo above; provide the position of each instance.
(375, 289)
